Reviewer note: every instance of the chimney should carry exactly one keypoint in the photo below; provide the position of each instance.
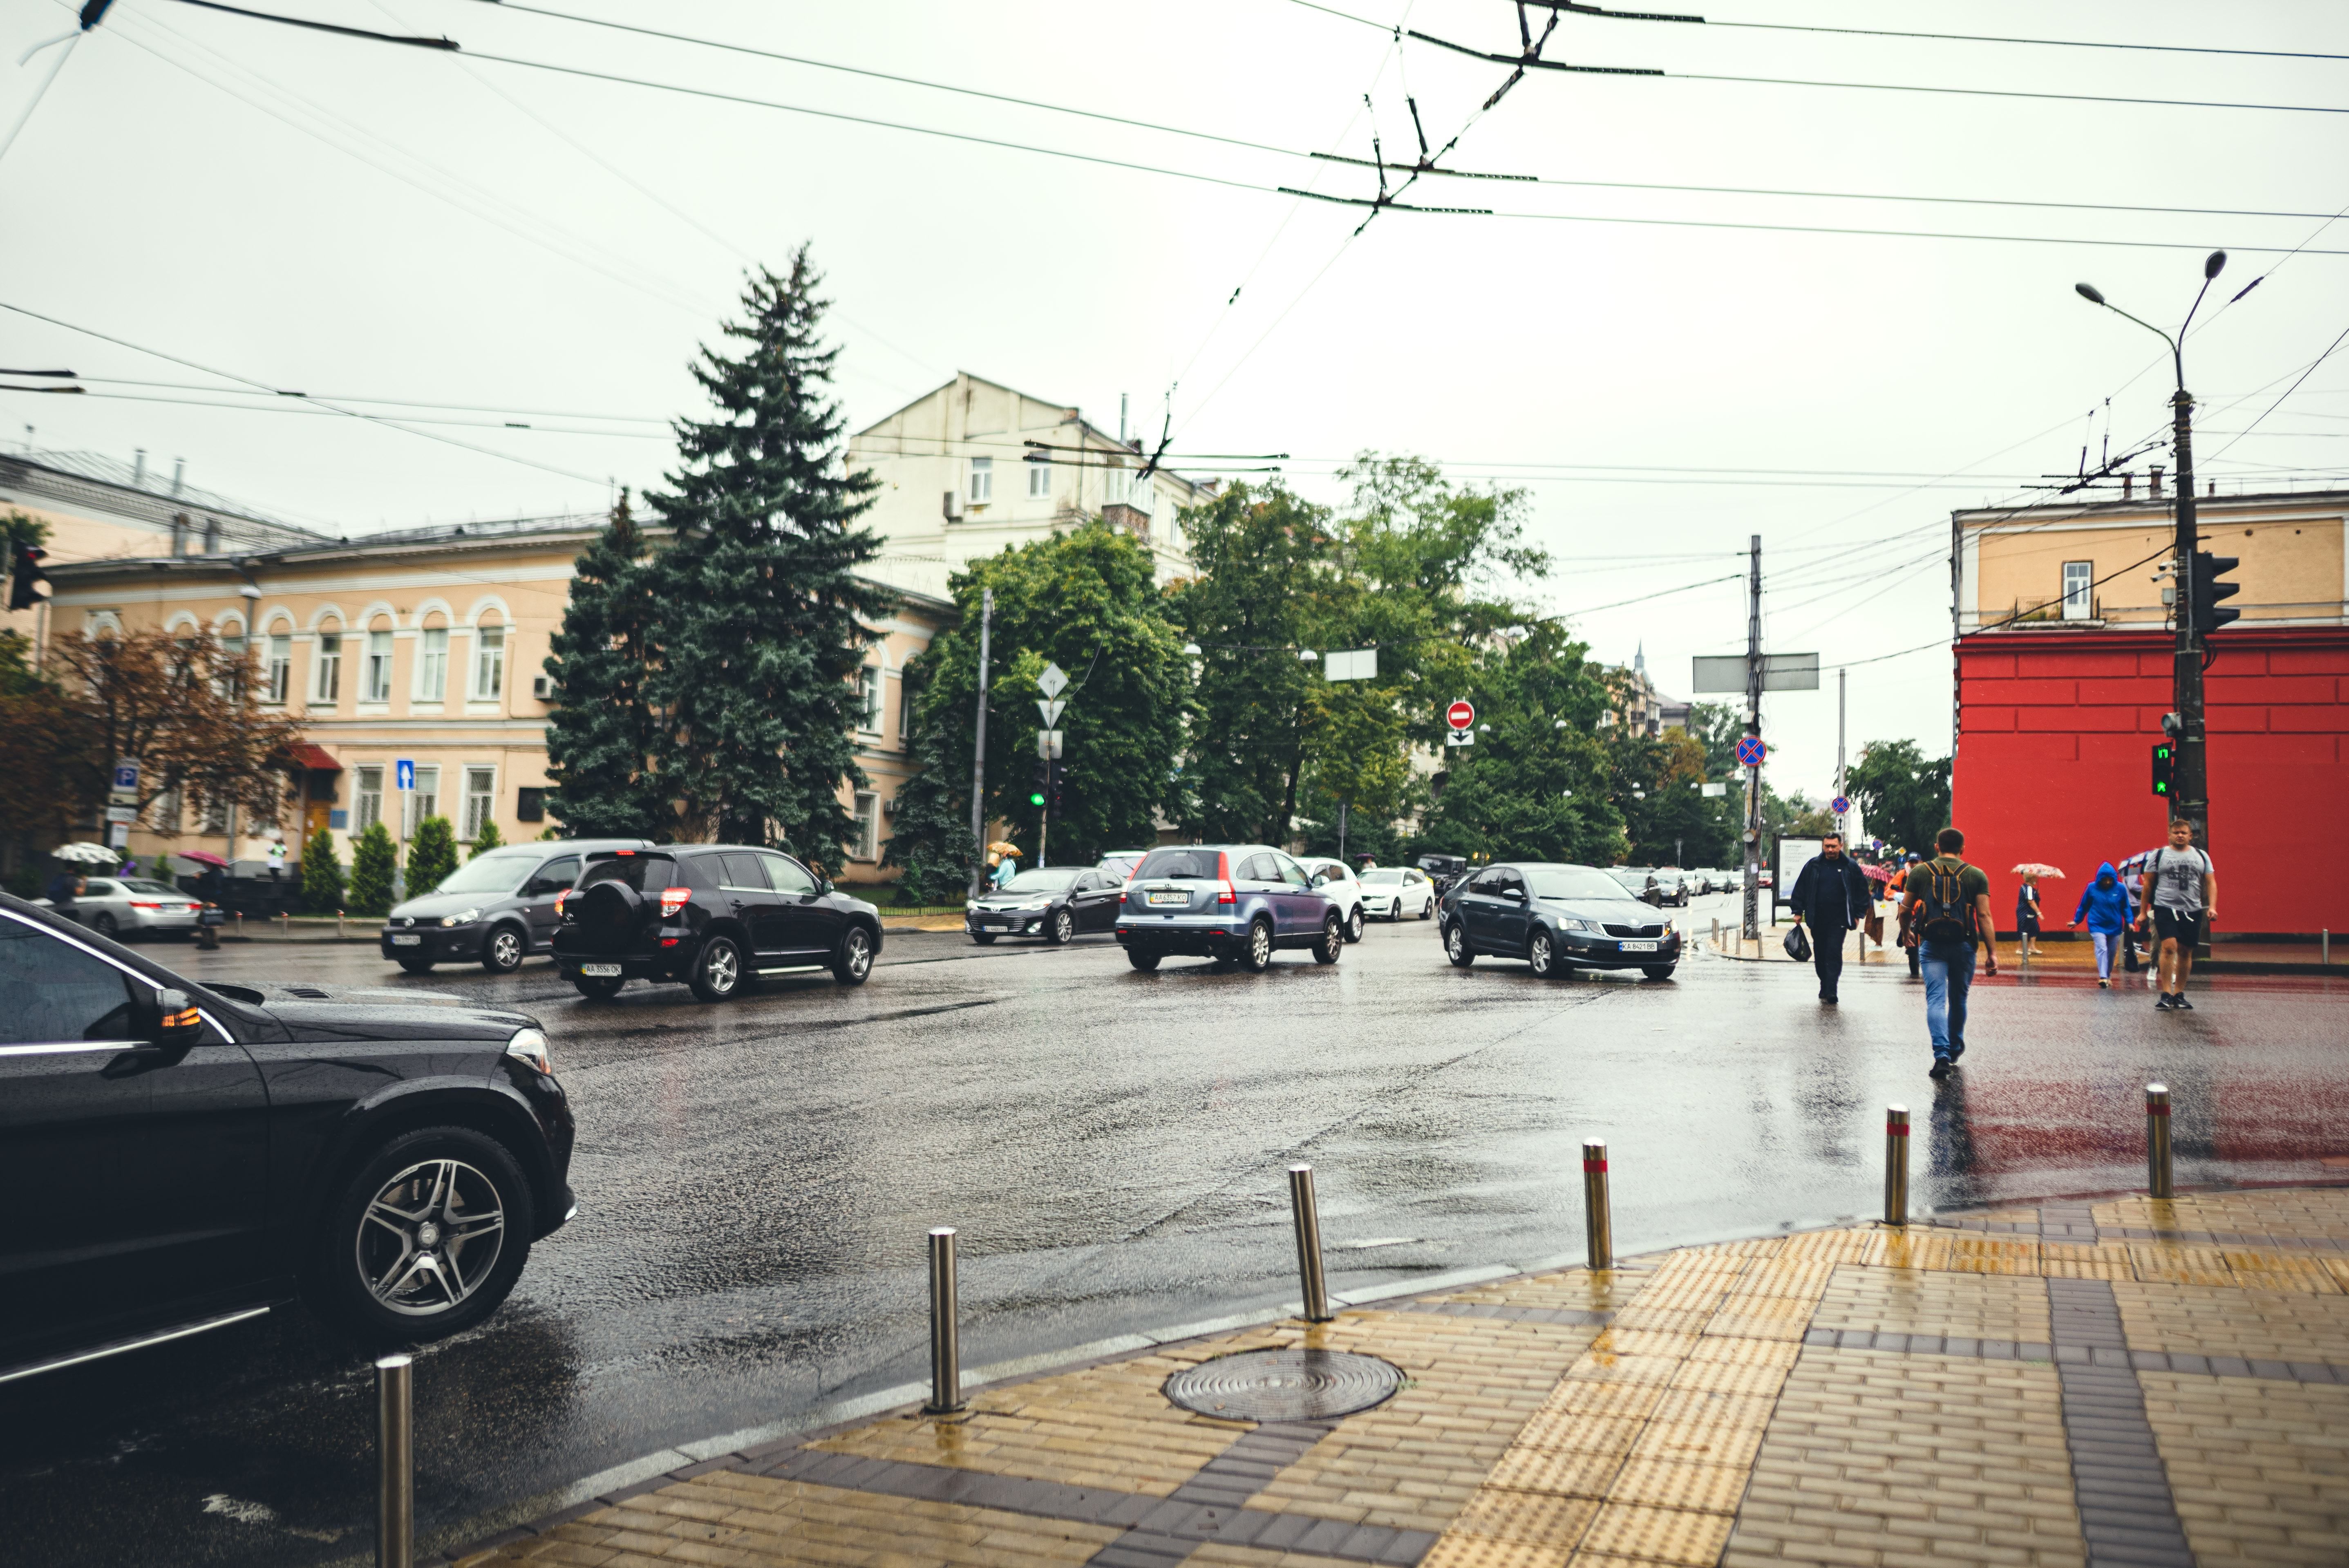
(179, 533)
(2154, 488)
(2128, 487)
(179, 472)
(139, 469)
(1121, 419)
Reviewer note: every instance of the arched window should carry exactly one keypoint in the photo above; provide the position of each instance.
(432, 660)
(489, 659)
(374, 674)
(326, 665)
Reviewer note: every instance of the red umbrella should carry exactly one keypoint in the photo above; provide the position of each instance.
(202, 858)
(1877, 874)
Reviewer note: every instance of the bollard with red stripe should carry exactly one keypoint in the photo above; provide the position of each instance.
(2157, 1139)
(1896, 1164)
(1597, 1221)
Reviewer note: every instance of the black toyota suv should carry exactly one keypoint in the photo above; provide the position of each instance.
(189, 1156)
(712, 916)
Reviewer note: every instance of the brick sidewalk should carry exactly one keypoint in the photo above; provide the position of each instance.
(2117, 1382)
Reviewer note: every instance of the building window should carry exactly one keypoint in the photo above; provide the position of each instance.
(423, 802)
(328, 684)
(1040, 478)
(481, 795)
(489, 663)
(231, 648)
(280, 669)
(374, 684)
(164, 813)
(868, 826)
(2079, 586)
(432, 664)
(982, 480)
(367, 800)
(868, 699)
(529, 805)
(215, 817)
(904, 716)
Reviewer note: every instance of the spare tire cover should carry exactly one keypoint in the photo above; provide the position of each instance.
(607, 913)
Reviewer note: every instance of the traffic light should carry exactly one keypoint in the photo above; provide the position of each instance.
(2208, 591)
(2164, 762)
(1043, 785)
(25, 578)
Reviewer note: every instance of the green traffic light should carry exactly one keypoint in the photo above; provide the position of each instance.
(1036, 798)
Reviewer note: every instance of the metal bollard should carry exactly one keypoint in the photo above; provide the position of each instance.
(338, 925)
(395, 1460)
(1598, 1222)
(946, 1336)
(1896, 1164)
(1309, 1245)
(2324, 947)
(2157, 1139)
(284, 927)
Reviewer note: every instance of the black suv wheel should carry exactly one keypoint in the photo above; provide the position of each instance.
(598, 988)
(1146, 962)
(502, 953)
(1061, 929)
(426, 1238)
(853, 960)
(717, 970)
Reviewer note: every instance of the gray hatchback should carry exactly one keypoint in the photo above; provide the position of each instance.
(497, 908)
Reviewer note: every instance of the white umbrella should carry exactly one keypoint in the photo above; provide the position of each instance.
(84, 854)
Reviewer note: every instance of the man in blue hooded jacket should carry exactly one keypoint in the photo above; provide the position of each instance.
(2104, 905)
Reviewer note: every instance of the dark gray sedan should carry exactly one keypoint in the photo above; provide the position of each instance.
(1556, 918)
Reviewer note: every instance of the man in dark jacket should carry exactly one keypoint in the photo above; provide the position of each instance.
(1830, 897)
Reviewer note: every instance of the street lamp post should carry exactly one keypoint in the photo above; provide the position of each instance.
(2190, 774)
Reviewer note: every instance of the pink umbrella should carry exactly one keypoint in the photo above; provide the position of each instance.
(204, 858)
(2038, 868)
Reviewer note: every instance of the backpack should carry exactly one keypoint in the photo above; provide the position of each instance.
(1943, 912)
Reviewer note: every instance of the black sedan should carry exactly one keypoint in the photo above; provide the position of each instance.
(1058, 903)
(1556, 918)
(189, 1156)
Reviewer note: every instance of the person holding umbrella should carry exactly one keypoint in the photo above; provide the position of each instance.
(1003, 859)
(2027, 907)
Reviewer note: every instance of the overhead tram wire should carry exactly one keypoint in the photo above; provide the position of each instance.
(348, 397)
(322, 411)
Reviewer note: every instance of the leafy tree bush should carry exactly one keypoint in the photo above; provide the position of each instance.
(930, 835)
(321, 874)
(431, 856)
(600, 737)
(486, 841)
(1904, 794)
(374, 858)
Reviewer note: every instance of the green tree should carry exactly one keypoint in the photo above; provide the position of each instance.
(1085, 601)
(1657, 782)
(1903, 794)
(929, 833)
(321, 874)
(485, 841)
(761, 617)
(431, 855)
(1540, 784)
(600, 737)
(374, 858)
(1718, 727)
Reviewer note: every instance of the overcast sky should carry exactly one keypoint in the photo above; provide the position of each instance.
(362, 221)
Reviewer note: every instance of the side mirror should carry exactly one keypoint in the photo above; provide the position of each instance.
(823, 885)
(1514, 895)
(177, 1025)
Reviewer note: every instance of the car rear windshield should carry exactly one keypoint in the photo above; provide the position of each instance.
(1198, 866)
(140, 885)
(1570, 883)
(639, 872)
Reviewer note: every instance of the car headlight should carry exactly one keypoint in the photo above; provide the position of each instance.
(1575, 923)
(1038, 903)
(462, 917)
(529, 1046)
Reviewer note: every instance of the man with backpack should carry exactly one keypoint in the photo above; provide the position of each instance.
(1944, 912)
(2180, 893)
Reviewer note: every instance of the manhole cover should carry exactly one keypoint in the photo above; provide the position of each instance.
(1285, 1385)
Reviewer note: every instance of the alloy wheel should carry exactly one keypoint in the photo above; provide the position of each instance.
(1540, 955)
(429, 1237)
(1065, 927)
(722, 968)
(1259, 945)
(102, 923)
(855, 957)
(505, 950)
(1355, 924)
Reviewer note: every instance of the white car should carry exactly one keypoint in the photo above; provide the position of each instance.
(132, 907)
(1334, 880)
(1393, 892)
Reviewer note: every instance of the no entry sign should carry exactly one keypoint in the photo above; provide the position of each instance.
(1461, 714)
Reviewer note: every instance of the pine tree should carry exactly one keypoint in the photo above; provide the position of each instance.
(930, 835)
(321, 874)
(599, 739)
(759, 637)
(374, 858)
(486, 841)
(432, 856)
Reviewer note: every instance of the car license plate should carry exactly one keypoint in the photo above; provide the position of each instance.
(407, 941)
(600, 971)
(1640, 947)
(1175, 896)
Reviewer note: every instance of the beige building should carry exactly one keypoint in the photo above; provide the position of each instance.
(424, 646)
(2087, 566)
(975, 465)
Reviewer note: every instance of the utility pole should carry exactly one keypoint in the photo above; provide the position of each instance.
(1843, 827)
(1752, 929)
(979, 750)
(2189, 774)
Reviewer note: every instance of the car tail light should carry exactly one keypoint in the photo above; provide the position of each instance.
(559, 899)
(1229, 895)
(674, 899)
(136, 904)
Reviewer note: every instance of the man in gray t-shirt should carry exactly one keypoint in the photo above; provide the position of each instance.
(2180, 892)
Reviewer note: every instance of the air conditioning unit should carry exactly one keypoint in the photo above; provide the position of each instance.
(954, 506)
(542, 688)
(889, 807)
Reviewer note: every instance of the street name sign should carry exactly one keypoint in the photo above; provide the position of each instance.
(1352, 665)
(1780, 672)
(1715, 791)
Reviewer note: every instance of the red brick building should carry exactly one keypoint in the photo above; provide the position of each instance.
(2063, 666)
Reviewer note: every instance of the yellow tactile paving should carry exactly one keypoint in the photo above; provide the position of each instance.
(2260, 1470)
(1695, 1429)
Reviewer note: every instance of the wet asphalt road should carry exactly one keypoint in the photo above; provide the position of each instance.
(755, 1180)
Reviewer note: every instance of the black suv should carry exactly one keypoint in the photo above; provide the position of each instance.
(189, 1156)
(714, 916)
(498, 908)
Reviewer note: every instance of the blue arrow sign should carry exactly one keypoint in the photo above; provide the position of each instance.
(404, 774)
(1750, 752)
